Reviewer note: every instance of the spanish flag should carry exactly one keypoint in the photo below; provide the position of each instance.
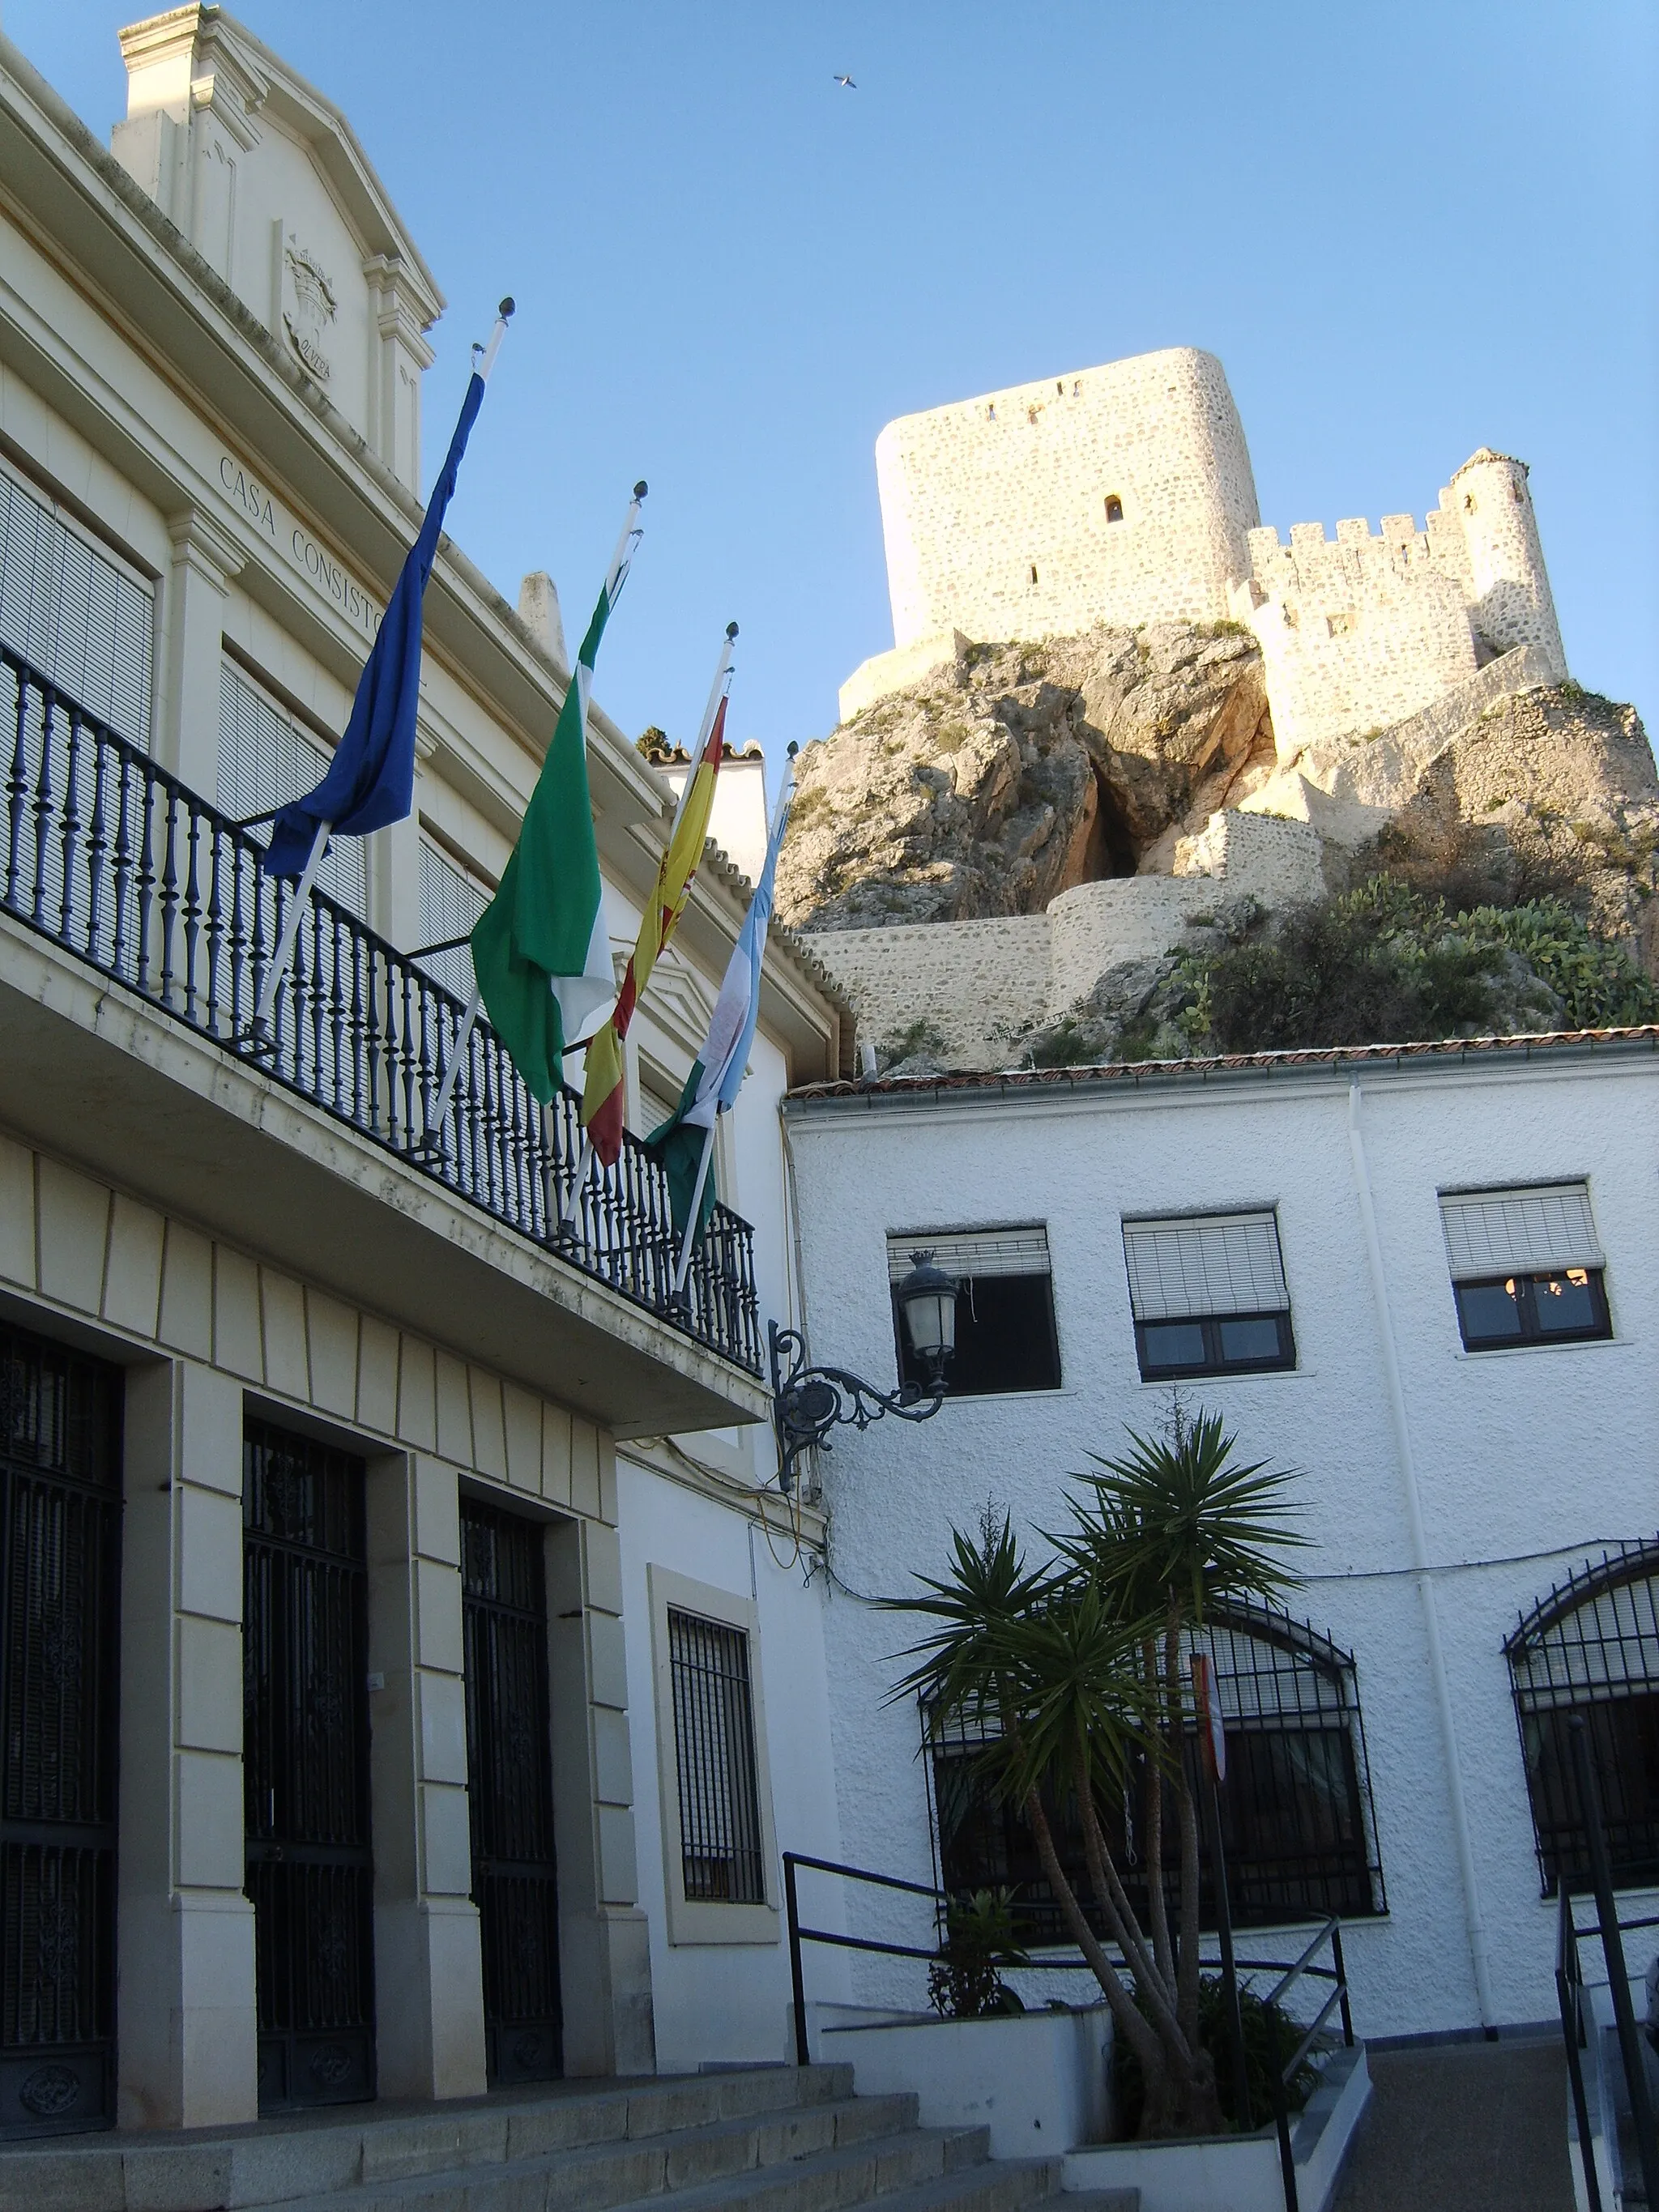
(603, 1089)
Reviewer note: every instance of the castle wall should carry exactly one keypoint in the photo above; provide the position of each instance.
(1369, 631)
(979, 986)
(995, 510)
(975, 985)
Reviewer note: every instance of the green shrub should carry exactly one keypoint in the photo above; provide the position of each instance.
(963, 1983)
(1270, 2039)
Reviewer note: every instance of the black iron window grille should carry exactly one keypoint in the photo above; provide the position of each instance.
(510, 1791)
(1592, 1647)
(112, 859)
(721, 1851)
(1298, 1826)
(60, 1422)
(305, 1768)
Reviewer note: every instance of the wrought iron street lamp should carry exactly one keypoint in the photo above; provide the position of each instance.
(807, 1402)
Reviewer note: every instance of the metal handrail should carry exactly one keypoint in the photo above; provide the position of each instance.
(1330, 1931)
(111, 858)
(1570, 1988)
(1569, 1979)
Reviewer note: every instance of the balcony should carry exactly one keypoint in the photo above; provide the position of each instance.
(113, 863)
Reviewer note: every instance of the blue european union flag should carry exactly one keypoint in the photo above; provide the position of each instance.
(371, 779)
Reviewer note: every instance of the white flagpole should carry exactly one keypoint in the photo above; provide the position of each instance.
(432, 1139)
(484, 357)
(568, 1211)
(484, 360)
(717, 690)
(692, 1223)
(258, 1031)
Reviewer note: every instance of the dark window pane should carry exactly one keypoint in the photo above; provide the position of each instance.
(1489, 1313)
(1218, 1344)
(1624, 1734)
(1567, 1303)
(1254, 1339)
(1172, 1344)
(1005, 1338)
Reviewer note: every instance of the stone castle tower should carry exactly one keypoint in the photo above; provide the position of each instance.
(1123, 494)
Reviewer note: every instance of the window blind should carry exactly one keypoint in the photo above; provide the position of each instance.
(967, 1252)
(83, 621)
(265, 759)
(1221, 1263)
(450, 903)
(1504, 1232)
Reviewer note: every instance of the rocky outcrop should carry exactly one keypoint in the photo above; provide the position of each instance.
(992, 785)
(1007, 775)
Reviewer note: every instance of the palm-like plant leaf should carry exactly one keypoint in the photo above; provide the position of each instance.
(1183, 1517)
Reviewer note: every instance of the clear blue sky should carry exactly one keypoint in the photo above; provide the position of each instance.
(1408, 231)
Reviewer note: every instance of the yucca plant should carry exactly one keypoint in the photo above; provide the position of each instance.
(1074, 1673)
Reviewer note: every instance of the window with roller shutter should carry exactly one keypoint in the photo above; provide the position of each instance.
(75, 611)
(1526, 1266)
(267, 758)
(1208, 1295)
(1005, 1335)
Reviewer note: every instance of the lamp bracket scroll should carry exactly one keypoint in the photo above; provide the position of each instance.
(807, 1402)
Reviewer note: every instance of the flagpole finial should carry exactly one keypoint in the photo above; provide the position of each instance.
(640, 488)
(509, 306)
(730, 629)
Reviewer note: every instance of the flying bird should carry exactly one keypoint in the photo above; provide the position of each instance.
(846, 84)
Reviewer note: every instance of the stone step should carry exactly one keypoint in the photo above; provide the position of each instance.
(877, 2171)
(366, 2146)
(726, 2163)
(698, 2168)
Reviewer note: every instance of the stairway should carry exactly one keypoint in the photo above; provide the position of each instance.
(765, 2139)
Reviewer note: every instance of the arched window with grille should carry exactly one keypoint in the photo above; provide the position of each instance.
(1297, 1827)
(1592, 1647)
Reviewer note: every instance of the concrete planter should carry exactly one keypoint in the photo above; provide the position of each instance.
(1239, 2172)
(1040, 2081)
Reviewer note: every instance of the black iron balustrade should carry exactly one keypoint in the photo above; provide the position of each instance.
(113, 859)
(1064, 1959)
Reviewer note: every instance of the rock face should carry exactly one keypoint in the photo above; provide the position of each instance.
(1549, 791)
(992, 787)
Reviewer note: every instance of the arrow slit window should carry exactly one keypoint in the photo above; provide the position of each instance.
(1208, 1295)
(1005, 1336)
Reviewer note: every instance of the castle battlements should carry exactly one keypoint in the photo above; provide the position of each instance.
(1123, 494)
(1364, 630)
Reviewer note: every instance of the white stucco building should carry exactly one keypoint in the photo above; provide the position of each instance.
(406, 1701)
(1319, 1245)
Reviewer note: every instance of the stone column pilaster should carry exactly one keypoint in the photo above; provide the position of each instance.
(605, 1955)
(429, 1972)
(206, 559)
(187, 2036)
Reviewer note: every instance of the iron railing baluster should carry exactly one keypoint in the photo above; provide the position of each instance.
(159, 891)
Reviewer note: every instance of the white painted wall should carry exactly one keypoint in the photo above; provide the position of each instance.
(1517, 1453)
(717, 2002)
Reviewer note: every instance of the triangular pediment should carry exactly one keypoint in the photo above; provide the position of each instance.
(267, 179)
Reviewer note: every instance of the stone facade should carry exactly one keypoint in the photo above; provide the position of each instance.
(1119, 494)
(964, 993)
(1124, 495)
(1365, 632)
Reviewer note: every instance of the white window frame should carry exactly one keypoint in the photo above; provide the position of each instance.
(698, 1920)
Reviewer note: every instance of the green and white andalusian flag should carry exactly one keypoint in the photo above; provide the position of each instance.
(540, 948)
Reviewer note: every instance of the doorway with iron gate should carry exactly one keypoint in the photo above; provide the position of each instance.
(60, 1506)
(510, 1791)
(305, 1768)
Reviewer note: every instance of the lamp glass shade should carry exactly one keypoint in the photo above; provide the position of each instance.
(927, 1299)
